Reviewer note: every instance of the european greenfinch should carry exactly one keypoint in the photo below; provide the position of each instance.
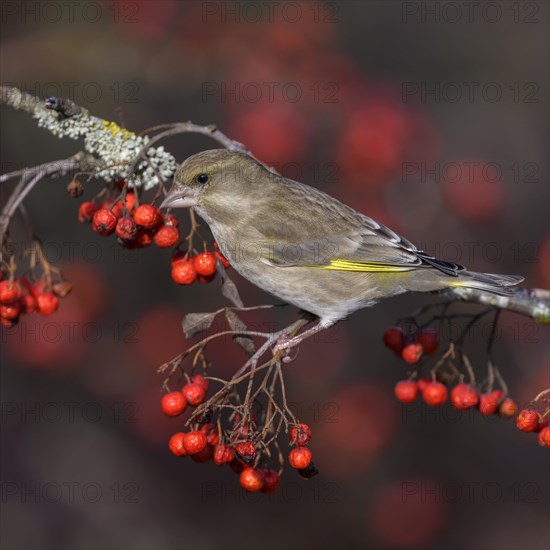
(306, 247)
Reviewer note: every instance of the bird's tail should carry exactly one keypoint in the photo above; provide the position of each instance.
(496, 284)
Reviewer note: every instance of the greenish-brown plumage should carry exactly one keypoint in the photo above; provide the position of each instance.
(303, 245)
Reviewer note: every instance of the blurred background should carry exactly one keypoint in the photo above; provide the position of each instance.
(431, 117)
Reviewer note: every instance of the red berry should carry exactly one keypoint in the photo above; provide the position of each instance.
(130, 201)
(219, 255)
(463, 397)
(300, 434)
(8, 291)
(183, 272)
(412, 353)
(194, 442)
(173, 404)
(527, 420)
(300, 458)
(406, 391)
(508, 408)
(47, 303)
(176, 444)
(126, 228)
(28, 304)
(205, 264)
(205, 455)
(170, 219)
(394, 339)
(10, 311)
(487, 404)
(223, 454)
(86, 211)
(429, 340)
(498, 395)
(104, 222)
(544, 437)
(422, 383)
(166, 236)
(200, 381)
(245, 451)
(271, 480)
(143, 238)
(147, 216)
(251, 480)
(194, 394)
(237, 466)
(205, 280)
(212, 434)
(434, 394)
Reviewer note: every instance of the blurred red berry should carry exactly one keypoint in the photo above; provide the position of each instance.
(422, 383)
(47, 303)
(245, 451)
(463, 397)
(406, 391)
(434, 394)
(237, 466)
(300, 458)
(271, 480)
(205, 264)
(183, 272)
(394, 339)
(219, 255)
(171, 220)
(251, 480)
(166, 236)
(508, 408)
(104, 222)
(498, 395)
(194, 393)
(487, 404)
(173, 404)
(10, 311)
(300, 434)
(205, 455)
(527, 420)
(8, 291)
(147, 216)
(126, 228)
(86, 211)
(176, 444)
(200, 381)
(412, 353)
(223, 454)
(212, 435)
(28, 304)
(544, 437)
(429, 340)
(194, 442)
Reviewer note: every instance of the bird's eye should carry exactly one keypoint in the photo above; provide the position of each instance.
(202, 178)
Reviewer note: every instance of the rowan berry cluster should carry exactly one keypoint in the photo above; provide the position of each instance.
(534, 418)
(446, 382)
(188, 268)
(237, 429)
(136, 226)
(19, 296)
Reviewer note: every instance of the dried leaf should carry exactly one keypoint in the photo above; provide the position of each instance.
(236, 323)
(229, 290)
(193, 323)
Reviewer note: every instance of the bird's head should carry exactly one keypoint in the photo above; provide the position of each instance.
(214, 180)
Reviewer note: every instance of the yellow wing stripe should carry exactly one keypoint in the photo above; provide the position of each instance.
(372, 267)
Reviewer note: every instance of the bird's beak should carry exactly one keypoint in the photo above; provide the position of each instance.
(180, 198)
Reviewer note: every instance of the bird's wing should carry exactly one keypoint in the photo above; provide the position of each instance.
(366, 247)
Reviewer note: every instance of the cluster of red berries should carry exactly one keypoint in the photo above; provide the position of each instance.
(529, 420)
(300, 458)
(463, 396)
(411, 348)
(18, 296)
(135, 226)
(188, 268)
